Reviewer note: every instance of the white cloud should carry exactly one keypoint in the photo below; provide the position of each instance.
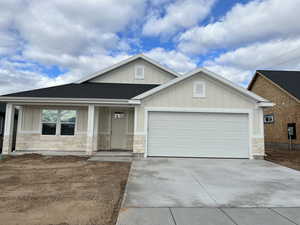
(78, 36)
(18, 76)
(178, 15)
(76, 27)
(239, 65)
(172, 59)
(234, 74)
(258, 20)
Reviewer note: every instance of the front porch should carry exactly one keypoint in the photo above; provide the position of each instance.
(69, 129)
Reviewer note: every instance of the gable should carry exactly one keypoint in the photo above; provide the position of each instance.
(218, 95)
(286, 85)
(287, 80)
(126, 74)
(271, 91)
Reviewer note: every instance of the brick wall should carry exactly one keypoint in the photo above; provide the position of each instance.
(286, 110)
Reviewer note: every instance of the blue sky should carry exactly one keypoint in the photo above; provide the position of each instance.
(45, 43)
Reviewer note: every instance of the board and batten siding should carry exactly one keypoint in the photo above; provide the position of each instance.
(218, 96)
(31, 118)
(104, 131)
(125, 74)
(29, 131)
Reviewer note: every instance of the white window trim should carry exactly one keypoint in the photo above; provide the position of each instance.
(267, 122)
(197, 95)
(136, 76)
(58, 123)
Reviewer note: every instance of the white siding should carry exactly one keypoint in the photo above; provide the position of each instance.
(126, 74)
(31, 121)
(181, 95)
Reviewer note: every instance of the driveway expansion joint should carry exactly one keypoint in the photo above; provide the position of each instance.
(283, 216)
(172, 216)
(228, 216)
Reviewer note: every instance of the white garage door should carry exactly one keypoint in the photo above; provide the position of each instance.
(184, 134)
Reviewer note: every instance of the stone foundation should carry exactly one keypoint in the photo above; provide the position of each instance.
(258, 147)
(139, 143)
(129, 141)
(6, 145)
(47, 142)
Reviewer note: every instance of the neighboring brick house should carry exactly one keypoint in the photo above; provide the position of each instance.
(283, 89)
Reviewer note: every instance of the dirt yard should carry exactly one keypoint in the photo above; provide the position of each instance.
(286, 158)
(39, 190)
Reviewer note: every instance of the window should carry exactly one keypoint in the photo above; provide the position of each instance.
(139, 72)
(292, 131)
(119, 115)
(67, 122)
(49, 122)
(58, 122)
(269, 118)
(199, 90)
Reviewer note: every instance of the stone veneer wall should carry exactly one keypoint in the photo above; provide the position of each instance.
(258, 147)
(129, 141)
(43, 142)
(139, 144)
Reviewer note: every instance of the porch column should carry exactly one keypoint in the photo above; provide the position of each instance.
(96, 129)
(8, 129)
(90, 129)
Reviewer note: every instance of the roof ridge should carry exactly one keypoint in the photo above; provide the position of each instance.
(124, 62)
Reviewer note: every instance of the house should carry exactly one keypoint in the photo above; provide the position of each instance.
(282, 122)
(140, 106)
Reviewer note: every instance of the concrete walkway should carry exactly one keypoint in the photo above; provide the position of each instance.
(209, 216)
(210, 192)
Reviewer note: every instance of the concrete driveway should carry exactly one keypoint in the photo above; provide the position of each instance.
(180, 191)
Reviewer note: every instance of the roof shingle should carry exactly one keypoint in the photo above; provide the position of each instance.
(288, 80)
(88, 90)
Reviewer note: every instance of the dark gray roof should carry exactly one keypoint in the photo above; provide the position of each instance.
(288, 80)
(88, 90)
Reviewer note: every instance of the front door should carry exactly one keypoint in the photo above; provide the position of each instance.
(118, 129)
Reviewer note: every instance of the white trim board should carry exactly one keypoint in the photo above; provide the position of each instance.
(209, 74)
(199, 110)
(124, 62)
(85, 101)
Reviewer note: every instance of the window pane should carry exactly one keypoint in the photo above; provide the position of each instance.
(49, 128)
(119, 115)
(67, 129)
(68, 116)
(49, 115)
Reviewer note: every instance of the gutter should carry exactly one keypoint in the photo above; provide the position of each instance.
(68, 100)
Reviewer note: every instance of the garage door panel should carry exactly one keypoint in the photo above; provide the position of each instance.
(198, 134)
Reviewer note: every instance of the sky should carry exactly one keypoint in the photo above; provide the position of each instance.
(46, 43)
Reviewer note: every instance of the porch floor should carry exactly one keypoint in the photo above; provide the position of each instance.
(112, 156)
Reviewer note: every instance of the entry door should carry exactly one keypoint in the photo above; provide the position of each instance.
(183, 134)
(118, 129)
